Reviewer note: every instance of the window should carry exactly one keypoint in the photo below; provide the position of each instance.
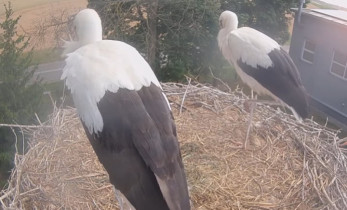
(308, 51)
(338, 64)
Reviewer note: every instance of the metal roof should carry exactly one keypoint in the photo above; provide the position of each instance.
(338, 16)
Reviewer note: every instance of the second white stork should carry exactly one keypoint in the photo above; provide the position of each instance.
(262, 64)
(126, 117)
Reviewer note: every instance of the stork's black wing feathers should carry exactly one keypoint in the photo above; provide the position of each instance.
(138, 145)
(168, 167)
(282, 79)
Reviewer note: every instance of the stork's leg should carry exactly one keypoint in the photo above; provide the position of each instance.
(124, 204)
(252, 107)
(119, 198)
(252, 104)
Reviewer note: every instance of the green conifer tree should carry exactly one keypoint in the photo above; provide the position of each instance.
(20, 95)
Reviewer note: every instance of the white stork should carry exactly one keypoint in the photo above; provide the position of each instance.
(126, 116)
(262, 64)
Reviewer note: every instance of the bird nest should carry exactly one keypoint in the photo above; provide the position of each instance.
(287, 165)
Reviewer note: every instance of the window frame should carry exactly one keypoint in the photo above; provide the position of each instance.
(304, 49)
(344, 77)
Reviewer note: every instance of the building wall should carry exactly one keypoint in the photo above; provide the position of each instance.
(320, 83)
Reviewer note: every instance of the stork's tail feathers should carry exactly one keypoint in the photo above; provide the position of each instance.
(300, 107)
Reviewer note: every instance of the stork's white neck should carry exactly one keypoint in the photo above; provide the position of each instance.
(90, 33)
(88, 27)
(231, 24)
(229, 21)
(222, 38)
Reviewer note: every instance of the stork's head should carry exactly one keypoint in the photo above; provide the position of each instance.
(228, 20)
(88, 27)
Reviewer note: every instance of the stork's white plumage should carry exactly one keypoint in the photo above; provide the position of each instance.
(262, 64)
(126, 117)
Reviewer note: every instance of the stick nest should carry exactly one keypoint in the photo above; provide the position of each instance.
(288, 165)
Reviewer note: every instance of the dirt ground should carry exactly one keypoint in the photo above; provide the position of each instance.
(36, 13)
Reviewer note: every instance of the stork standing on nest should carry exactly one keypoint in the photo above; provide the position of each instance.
(126, 116)
(262, 64)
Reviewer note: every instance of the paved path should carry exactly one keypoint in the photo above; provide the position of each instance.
(50, 72)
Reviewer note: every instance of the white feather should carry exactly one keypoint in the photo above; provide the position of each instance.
(105, 65)
(167, 101)
(251, 46)
(88, 29)
(69, 47)
(246, 44)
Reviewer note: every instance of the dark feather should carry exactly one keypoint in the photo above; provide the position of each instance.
(282, 79)
(138, 141)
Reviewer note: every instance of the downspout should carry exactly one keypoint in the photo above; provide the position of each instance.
(302, 2)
